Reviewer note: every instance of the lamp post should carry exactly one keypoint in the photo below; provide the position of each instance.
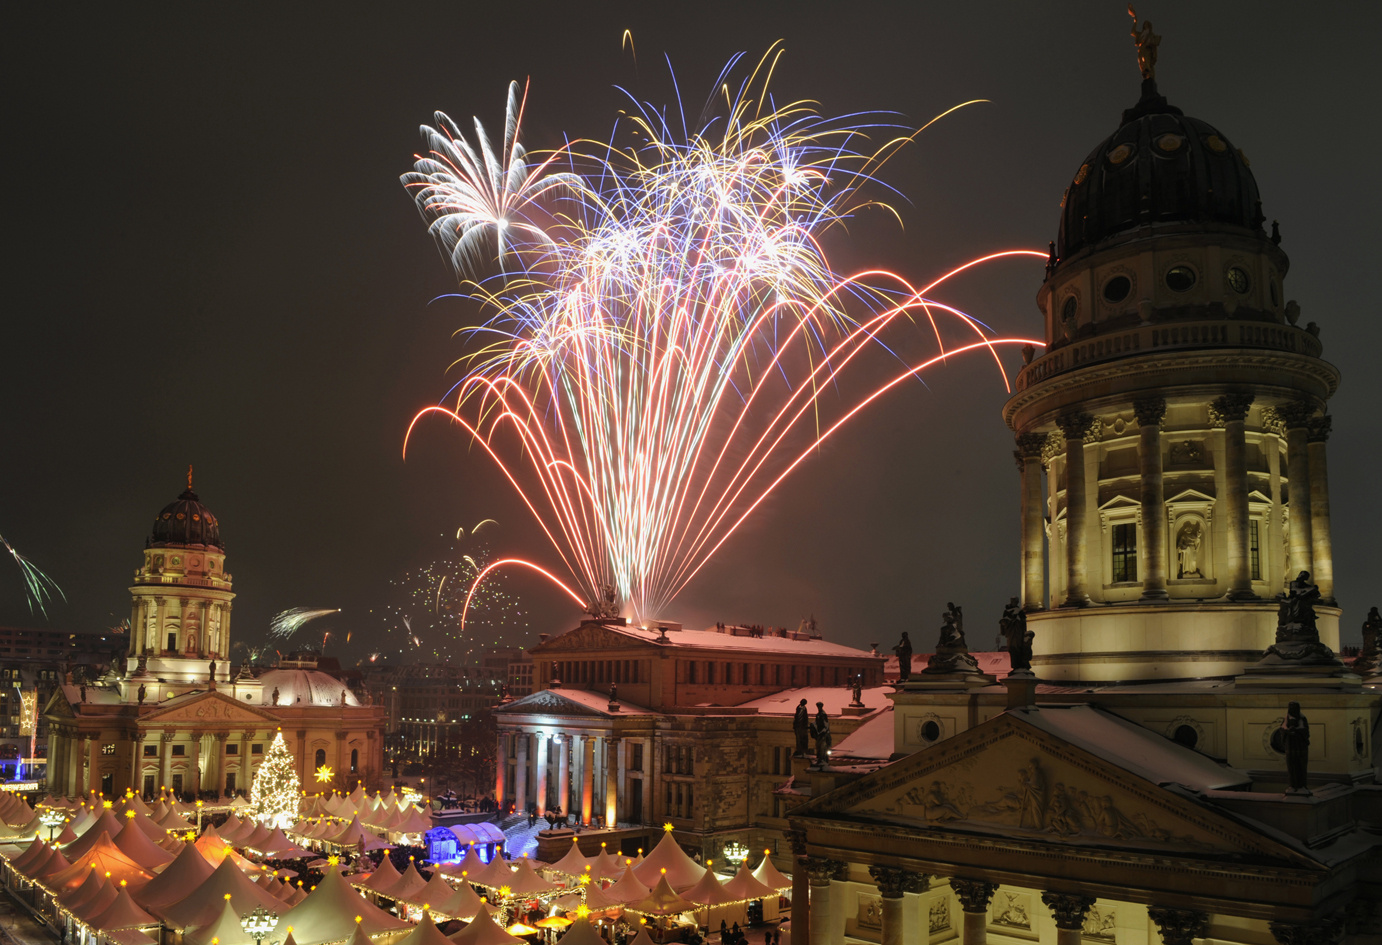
(52, 820)
(259, 924)
(199, 816)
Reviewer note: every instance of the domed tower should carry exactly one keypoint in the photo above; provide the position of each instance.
(1178, 411)
(181, 617)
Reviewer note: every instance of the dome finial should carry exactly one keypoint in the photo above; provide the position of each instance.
(1146, 42)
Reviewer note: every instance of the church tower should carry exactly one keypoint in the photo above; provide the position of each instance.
(182, 597)
(1178, 411)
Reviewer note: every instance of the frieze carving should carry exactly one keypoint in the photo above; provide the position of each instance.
(870, 915)
(1037, 804)
(1101, 925)
(1179, 926)
(1068, 909)
(1186, 452)
(974, 894)
(1012, 910)
(940, 915)
(550, 701)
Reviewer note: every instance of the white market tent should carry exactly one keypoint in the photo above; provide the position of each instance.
(328, 914)
(670, 860)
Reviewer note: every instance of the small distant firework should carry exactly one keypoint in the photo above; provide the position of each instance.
(39, 586)
(290, 621)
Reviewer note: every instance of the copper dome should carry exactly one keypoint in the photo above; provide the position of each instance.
(187, 522)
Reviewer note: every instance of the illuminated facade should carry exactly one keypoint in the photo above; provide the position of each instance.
(1135, 789)
(176, 717)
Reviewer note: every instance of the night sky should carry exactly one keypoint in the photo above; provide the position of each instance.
(210, 260)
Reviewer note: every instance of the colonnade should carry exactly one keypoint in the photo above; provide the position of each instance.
(149, 633)
(596, 765)
(1307, 471)
(823, 878)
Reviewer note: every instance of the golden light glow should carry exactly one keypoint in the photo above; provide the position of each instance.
(505, 891)
(325, 774)
(582, 910)
(667, 827)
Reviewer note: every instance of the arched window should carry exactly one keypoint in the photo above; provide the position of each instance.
(354, 760)
(321, 757)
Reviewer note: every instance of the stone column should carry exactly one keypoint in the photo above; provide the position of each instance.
(1028, 454)
(649, 782)
(540, 763)
(1075, 427)
(93, 764)
(588, 779)
(1069, 910)
(613, 768)
(1179, 926)
(801, 897)
(1232, 411)
(564, 774)
(1150, 411)
(225, 629)
(892, 882)
(165, 760)
(501, 764)
(621, 747)
(160, 616)
(221, 738)
(195, 771)
(136, 765)
(1297, 417)
(1323, 575)
(821, 871)
(974, 896)
(520, 773)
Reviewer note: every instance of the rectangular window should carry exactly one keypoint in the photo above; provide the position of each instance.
(179, 750)
(1254, 550)
(150, 751)
(232, 749)
(148, 785)
(256, 749)
(637, 763)
(1125, 553)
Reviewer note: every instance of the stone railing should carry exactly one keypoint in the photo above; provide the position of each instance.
(1148, 339)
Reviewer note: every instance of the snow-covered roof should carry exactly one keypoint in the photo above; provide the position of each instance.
(1132, 747)
(873, 739)
(305, 687)
(712, 639)
(834, 697)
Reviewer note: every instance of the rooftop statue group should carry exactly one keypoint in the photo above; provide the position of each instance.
(952, 650)
(803, 726)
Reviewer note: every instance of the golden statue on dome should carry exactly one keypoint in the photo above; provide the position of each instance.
(1146, 42)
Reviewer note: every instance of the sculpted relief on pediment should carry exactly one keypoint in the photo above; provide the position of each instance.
(1040, 797)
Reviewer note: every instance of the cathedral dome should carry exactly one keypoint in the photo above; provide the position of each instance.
(1159, 167)
(187, 522)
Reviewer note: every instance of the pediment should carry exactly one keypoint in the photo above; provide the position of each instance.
(209, 708)
(549, 702)
(1120, 502)
(591, 636)
(1011, 782)
(1190, 497)
(58, 707)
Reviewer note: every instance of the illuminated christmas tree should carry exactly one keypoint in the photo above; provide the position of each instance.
(276, 789)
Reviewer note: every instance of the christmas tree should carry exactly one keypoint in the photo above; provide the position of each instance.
(276, 789)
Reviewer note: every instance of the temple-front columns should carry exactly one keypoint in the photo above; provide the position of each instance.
(520, 774)
(1179, 926)
(540, 745)
(501, 764)
(1069, 910)
(1317, 435)
(1028, 454)
(1075, 427)
(564, 774)
(974, 896)
(892, 882)
(801, 902)
(613, 767)
(1297, 417)
(1232, 411)
(1150, 412)
(1324, 931)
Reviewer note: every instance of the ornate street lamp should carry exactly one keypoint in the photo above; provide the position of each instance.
(52, 820)
(259, 924)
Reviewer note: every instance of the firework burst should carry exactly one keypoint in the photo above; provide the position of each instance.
(665, 323)
(39, 587)
(290, 621)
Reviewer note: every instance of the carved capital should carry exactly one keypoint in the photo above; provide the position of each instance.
(797, 838)
(1076, 426)
(1179, 926)
(1319, 428)
(1055, 446)
(915, 882)
(169, 736)
(822, 870)
(1229, 408)
(888, 879)
(1272, 421)
(1150, 411)
(1031, 445)
(1068, 908)
(1324, 931)
(1296, 414)
(974, 894)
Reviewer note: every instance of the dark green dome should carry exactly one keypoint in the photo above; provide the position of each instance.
(1159, 167)
(187, 522)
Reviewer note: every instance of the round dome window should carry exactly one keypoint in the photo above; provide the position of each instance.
(1117, 289)
(1180, 278)
(930, 730)
(1238, 281)
(1186, 735)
